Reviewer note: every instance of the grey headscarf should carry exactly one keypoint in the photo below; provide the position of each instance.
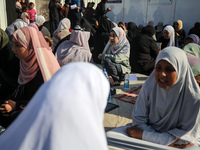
(122, 46)
(76, 49)
(176, 109)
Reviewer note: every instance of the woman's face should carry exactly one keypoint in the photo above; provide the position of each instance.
(19, 50)
(165, 74)
(113, 38)
(176, 26)
(166, 34)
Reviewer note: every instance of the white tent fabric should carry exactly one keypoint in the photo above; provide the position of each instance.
(3, 18)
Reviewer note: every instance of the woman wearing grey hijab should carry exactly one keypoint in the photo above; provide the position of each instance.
(167, 109)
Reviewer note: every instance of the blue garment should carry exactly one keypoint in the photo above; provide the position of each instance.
(77, 2)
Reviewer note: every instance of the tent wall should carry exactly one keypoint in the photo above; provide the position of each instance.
(3, 18)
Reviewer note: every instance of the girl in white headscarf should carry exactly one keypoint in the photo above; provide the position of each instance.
(168, 38)
(115, 56)
(61, 32)
(68, 117)
(76, 49)
(167, 109)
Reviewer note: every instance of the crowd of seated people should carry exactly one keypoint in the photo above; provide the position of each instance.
(31, 55)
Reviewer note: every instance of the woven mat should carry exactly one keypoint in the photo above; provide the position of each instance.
(129, 96)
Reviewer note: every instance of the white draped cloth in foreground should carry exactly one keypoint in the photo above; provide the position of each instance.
(65, 113)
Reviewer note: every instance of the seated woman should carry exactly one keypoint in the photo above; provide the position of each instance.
(55, 116)
(179, 33)
(168, 38)
(167, 109)
(9, 66)
(37, 65)
(101, 38)
(191, 38)
(144, 51)
(61, 32)
(115, 56)
(76, 49)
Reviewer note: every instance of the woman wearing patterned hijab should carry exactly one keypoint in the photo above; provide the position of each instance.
(37, 65)
(115, 56)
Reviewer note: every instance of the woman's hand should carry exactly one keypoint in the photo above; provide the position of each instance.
(135, 132)
(100, 56)
(180, 146)
(7, 106)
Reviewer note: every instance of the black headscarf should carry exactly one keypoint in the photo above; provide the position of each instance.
(105, 25)
(132, 31)
(148, 30)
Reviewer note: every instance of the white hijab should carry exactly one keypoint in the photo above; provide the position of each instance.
(20, 24)
(176, 109)
(64, 24)
(66, 113)
(39, 20)
(170, 29)
(76, 49)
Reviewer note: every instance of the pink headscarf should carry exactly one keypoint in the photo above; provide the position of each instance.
(40, 55)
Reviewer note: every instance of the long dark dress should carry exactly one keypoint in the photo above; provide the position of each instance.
(9, 71)
(100, 11)
(53, 16)
(101, 38)
(75, 15)
(144, 52)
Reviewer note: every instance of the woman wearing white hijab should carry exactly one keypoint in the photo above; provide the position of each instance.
(167, 109)
(61, 32)
(168, 38)
(76, 49)
(115, 56)
(39, 21)
(68, 117)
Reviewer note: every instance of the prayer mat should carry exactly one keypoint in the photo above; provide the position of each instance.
(130, 96)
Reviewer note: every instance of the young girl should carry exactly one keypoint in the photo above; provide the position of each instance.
(116, 55)
(167, 109)
(25, 15)
(32, 12)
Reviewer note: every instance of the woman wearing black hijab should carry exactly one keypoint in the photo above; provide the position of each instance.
(54, 8)
(9, 67)
(144, 51)
(132, 31)
(101, 38)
